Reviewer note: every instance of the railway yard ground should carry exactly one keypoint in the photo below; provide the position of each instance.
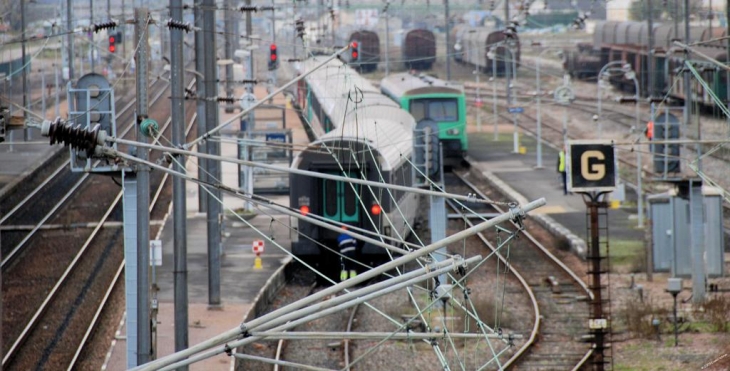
(505, 176)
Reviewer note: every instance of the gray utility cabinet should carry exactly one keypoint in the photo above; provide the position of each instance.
(671, 234)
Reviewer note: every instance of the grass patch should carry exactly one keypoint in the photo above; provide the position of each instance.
(627, 254)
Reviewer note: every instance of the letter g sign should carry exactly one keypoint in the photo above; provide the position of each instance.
(592, 166)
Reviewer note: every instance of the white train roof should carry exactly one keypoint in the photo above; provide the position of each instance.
(402, 84)
(359, 112)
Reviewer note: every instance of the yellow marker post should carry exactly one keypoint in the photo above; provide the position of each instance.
(257, 262)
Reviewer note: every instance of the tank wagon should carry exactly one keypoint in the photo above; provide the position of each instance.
(363, 135)
(628, 43)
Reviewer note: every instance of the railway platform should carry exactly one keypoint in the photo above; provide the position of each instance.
(518, 176)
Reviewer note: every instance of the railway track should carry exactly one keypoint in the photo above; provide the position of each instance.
(559, 310)
(552, 132)
(80, 279)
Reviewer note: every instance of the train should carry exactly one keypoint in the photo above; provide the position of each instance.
(472, 46)
(360, 133)
(627, 43)
(418, 49)
(427, 97)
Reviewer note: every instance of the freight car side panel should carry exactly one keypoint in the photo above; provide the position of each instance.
(419, 49)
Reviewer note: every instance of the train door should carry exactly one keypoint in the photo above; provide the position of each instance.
(340, 200)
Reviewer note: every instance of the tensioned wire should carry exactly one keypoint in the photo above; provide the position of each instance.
(465, 309)
(195, 180)
(276, 244)
(694, 164)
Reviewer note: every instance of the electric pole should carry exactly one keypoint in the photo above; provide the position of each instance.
(92, 50)
(70, 36)
(228, 51)
(200, 105)
(26, 132)
(650, 31)
(141, 30)
(695, 190)
(448, 41)
(211, 120)
(180, 247)
(387, 39)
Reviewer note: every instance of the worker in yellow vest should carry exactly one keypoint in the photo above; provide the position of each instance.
(561, 170)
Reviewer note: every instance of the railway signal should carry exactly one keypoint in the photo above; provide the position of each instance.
(4, 121)
(273, 58)
(354, 51)
(666, 156)
(112, 43)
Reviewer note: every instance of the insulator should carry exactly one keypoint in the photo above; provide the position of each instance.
(226, 99)
(179, 25)
(102, 26)
(74, 136)
(149, 127)
(249, 8)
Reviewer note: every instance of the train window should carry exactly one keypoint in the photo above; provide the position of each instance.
(437, 109)
(443, 109)
(329, 191)
(350, 202)
(341, 201)
(418, 109)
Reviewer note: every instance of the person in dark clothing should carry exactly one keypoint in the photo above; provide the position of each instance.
(348, 246)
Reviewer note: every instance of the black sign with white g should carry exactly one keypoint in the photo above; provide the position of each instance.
(591, 166)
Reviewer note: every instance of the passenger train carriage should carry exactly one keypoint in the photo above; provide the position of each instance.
(426, 97)
(360, 134)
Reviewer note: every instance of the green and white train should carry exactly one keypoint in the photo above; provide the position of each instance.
(426, 97)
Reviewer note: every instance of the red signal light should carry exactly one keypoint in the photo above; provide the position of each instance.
(354, 55)
(273, 57)
(304, 210)
(375, 209)
(354, 44)
(112, 48)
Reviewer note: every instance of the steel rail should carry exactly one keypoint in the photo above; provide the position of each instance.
(346, 346)
(523, 282)
(50, 177)
(44, 306)
(56, 288)
(95, 318)
(281, 344)
(153, 203)
(11, 256)
(536, 328)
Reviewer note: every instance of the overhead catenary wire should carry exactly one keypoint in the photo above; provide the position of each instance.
(517, 212)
